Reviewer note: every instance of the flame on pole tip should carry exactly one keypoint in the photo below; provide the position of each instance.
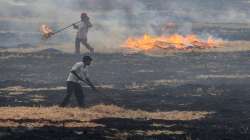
(170, 42)
(46, 31)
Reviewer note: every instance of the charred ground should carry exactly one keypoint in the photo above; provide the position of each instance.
(212, 85)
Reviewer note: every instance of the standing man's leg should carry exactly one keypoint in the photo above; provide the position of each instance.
(70, 90)
(86, 44)
(79, 95)
(77, 46)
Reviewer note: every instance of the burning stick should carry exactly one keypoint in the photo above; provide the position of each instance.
(47, 32)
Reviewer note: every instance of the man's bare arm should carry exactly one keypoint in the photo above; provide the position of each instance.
(87, 81)
(91, 84)
(89, 24)
(79, 78)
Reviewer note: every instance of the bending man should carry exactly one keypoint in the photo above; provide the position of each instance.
(78, 74)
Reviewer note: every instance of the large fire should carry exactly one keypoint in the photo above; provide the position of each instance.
(171, 42)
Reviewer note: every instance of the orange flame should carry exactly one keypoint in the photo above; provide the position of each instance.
(176, 41)
(46, 31)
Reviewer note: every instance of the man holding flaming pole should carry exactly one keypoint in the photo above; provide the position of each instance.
(81, 36)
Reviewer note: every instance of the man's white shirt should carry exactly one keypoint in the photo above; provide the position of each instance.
(80, 71)
(82, 30)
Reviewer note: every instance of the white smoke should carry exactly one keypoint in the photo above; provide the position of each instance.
(114, 20)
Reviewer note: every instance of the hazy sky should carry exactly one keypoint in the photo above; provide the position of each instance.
(215, 10)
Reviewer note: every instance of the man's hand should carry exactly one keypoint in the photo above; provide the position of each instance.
(75, 26)
(91, 84)
(86, 81)
(94, 88)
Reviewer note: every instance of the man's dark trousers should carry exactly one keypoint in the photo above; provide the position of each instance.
(76, 88)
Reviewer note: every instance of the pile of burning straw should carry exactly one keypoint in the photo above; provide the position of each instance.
(170, 42)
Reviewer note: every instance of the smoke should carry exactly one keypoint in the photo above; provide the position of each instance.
(114, 20)
(21, 19)
(209, 11)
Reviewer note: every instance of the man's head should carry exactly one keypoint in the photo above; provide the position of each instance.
(86, 60)
(84, 16)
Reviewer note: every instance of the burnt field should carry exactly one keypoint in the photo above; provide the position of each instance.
(187, 96)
